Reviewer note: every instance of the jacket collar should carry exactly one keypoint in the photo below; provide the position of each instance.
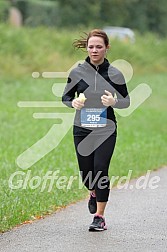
(104, 65)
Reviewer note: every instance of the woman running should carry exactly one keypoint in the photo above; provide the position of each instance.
(94, 89)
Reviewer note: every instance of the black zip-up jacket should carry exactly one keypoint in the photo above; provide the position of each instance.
(93, 81)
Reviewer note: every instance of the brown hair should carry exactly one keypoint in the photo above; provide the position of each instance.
(83, 42)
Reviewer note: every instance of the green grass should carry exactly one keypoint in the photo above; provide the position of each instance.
(141, 142)
(142, 135)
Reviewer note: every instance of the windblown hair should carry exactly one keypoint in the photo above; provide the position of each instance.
(83, 41)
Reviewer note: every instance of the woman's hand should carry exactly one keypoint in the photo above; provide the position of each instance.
(77, 103)
(108, 99)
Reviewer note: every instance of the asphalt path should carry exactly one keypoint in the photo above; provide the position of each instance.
(136, 220)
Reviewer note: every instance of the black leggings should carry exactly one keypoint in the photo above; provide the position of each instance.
(94, 167)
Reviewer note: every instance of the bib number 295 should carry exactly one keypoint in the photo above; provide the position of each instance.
(93, 118)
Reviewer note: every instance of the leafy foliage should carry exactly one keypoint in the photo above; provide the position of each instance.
(142, 15)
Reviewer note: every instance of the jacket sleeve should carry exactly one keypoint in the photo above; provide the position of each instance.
(69, 91)
(123, 99)
(120, 89)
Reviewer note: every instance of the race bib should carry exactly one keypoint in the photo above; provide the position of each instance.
(93, 117)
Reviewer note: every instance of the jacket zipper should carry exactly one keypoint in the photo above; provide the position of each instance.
(97, 69)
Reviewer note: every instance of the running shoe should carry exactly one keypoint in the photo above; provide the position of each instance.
(98, 224)
(92, 205)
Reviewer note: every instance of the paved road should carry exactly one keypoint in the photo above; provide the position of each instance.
(136, 220)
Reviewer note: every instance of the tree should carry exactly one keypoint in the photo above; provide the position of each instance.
(142, 15)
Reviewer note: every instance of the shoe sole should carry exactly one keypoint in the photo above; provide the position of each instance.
(95, 229)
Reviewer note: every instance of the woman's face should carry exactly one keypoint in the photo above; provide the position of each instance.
(96, 50)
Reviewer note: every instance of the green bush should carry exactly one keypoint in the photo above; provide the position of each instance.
(37, 13)
(40, 48)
